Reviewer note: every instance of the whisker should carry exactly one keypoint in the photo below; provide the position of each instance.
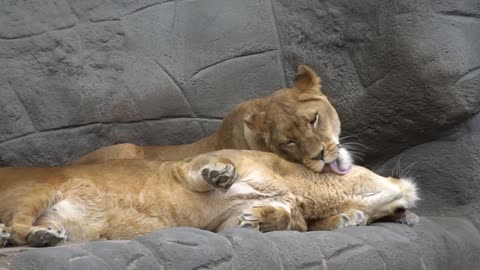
(353, 149)
(395, 168)
(356, 158)
(347, 137)
(357, 154)
(408, 170)
(356, 144)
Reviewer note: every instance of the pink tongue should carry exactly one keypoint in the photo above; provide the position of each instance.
(333, 167)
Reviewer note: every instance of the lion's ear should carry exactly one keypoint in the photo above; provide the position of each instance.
(255, 122)
(307, 80)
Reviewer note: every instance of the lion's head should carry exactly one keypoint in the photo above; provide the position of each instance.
(301, 125)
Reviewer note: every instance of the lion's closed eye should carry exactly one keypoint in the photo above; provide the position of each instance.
(314, 121)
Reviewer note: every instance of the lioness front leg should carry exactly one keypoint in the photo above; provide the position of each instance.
(266, 218)
(349, 218)
(206, 172)
(4, 235)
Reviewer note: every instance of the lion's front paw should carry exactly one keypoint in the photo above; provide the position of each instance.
(265, 218)
(4, 235)
(353, 217)
(250, 219)
(42, 236)
(219, 175)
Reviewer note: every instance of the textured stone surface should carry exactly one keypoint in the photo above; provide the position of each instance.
(252, 250)
(447, 170)
(109, 71)
(437, 244)
(187, 248)
(403, 75)
(398, 72)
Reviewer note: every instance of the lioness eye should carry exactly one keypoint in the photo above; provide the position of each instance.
(314, 121)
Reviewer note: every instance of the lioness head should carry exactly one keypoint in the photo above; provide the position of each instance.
(300, 124)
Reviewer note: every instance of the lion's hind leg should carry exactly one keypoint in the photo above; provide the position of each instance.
(47, 215)
(34, 225)
(349, 218)
(266, 218)
(24, 209)
(47, 235)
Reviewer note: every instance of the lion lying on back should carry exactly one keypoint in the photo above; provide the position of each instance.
(122, 199)
(298, 124)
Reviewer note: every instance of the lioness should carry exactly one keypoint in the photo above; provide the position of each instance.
(121, 199)
(298, 124)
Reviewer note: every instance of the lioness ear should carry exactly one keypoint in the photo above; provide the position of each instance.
(307, 80)
(255, 122)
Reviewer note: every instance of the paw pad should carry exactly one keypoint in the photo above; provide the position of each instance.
(41, 237)
(220, 175)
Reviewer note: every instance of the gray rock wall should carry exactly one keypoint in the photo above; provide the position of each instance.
(78, 75)
(404, 76)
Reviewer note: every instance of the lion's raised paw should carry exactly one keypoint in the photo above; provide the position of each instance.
(219, 175)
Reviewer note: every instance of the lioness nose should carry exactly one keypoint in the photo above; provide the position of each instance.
(320, 156)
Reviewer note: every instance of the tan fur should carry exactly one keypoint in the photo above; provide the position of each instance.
(263, 124)
(121, 199)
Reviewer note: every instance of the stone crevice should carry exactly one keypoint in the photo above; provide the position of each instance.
(145, 7)
(38, 34)
(279, 42)
(343, 250)
(471, 72)
(76, 258)
(177, 87)
(131, 264)
(183, 243)
(215, 263)
(206, 68)
(23, 104)
(310, 265)
(376, 81)
(461, 14)
(69, 27)
(203, 118)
